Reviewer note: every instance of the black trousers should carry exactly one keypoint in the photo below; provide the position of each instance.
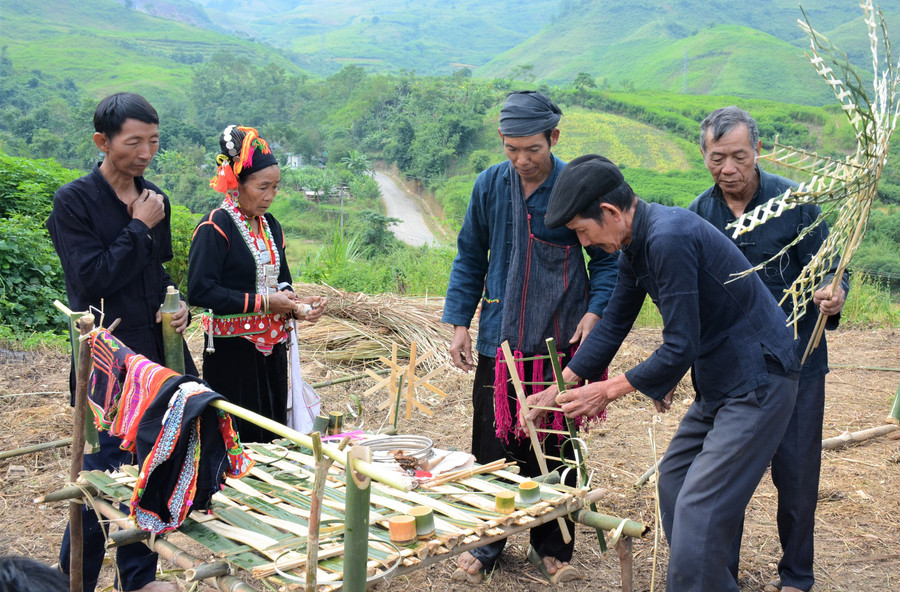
(546, 538)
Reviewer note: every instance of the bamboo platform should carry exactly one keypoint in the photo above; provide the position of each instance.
(258, 525)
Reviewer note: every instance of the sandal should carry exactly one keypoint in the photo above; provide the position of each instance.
(566, 573)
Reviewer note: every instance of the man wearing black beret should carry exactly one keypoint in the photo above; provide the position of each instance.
(730, 332)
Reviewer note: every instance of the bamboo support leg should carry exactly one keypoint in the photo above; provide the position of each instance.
(356, 540)
(626, 563)
(76, 552)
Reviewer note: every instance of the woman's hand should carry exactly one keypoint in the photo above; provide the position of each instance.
(283, 302)
(316, 305)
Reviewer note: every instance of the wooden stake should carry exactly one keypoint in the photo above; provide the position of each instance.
(76, 535)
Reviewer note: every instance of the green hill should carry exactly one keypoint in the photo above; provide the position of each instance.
(658, 45)
(101, 47)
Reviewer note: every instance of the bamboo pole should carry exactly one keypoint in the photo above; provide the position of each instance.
(315, 512)
(350, 378)
(76, 535)
(356, 522)
(532, 433)
(848, 438)
(90, 430)
(35, 448)
(334, 453)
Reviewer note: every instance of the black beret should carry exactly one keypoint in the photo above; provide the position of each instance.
(581, 182)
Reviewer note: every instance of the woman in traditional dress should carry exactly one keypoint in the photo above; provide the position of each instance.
(239, 272)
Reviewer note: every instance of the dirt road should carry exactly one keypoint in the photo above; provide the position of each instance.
(412, 229)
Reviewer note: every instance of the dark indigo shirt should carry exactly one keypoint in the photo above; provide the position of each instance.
(107, 255)
(730, 331)
(767, 240)
(484, 248)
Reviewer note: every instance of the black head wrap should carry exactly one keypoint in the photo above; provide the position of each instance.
(583, 181)
(527, 113)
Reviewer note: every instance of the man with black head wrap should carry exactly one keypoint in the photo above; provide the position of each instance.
(532, 284)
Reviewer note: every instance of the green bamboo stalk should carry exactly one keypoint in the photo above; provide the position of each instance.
(356, 538)
(337, 455)
(573, 434)
(570, 424)
(35, 448)
(603, 522)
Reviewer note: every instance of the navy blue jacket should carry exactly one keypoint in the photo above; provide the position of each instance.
(484, 248)
(732, 332)
(765, 241)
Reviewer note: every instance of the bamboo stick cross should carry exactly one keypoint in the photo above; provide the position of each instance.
(402, 383)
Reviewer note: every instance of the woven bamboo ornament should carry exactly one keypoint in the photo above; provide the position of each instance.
(844, 188)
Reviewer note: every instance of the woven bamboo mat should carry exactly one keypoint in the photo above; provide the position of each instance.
(259, 524)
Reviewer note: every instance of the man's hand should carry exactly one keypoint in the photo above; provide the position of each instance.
(545, 398)
(665, 404)
(584, 327)
(461, 348)
(830, 304)
(148, 208)
(591, 399)
(179, 319)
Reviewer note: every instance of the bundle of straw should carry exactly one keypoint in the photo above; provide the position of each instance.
(359, 328)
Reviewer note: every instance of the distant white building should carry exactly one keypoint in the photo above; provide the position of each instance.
(293, 161)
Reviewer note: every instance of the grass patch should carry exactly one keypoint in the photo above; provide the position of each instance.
(869, 304)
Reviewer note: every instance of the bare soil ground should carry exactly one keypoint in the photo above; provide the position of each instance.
(858, 522)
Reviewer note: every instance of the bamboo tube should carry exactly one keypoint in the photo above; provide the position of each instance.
(529, 492)
(894, 416)
(604, 522)
(424, 521)
(402, 529)
(66, 493)
(336, 454)
(505, 502)
(356, 529)
(532, 433)
(173, 343)
(76, 549)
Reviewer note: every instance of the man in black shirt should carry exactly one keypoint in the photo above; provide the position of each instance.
(111, 231)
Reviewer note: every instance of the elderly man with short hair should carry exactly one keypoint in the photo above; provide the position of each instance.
(729, 142)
